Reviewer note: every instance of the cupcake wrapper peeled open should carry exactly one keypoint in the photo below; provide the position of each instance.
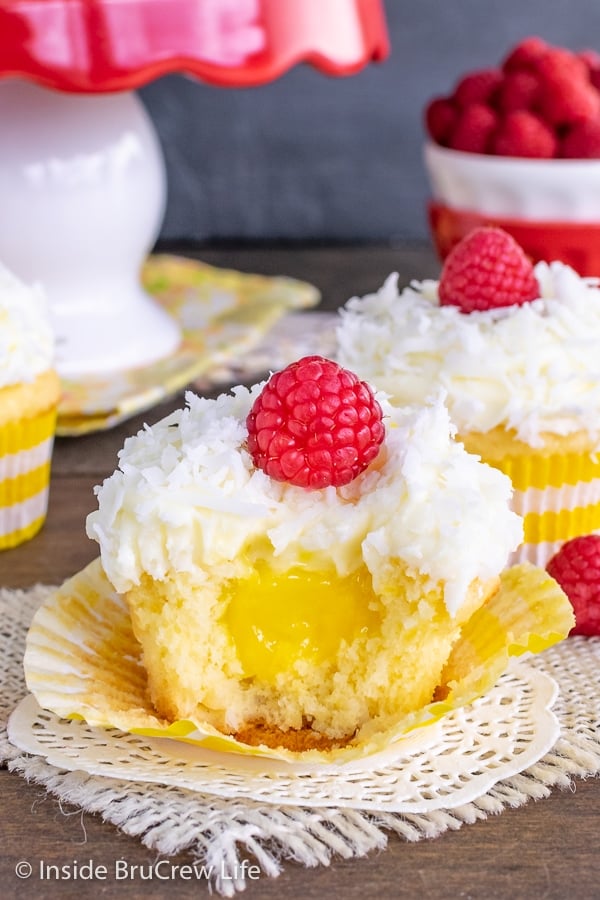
(25, 455)
(558, 496)
(83, 661)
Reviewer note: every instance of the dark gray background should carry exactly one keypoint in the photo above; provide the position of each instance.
(310, 157)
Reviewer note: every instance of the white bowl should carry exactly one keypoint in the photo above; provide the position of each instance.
(543, 190)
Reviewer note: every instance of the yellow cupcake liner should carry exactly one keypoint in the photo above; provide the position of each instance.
(558, 496)
(25, 455)
(546, 470)
(83, 661)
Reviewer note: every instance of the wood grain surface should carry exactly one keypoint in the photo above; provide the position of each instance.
(546, 849)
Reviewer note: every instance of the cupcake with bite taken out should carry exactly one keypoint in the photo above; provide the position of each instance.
(299, 559)
(29, 394)
(515, 348)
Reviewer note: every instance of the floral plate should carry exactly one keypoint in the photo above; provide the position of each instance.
(222, 313)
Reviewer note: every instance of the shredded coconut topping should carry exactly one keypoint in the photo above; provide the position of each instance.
(26, 338)
(533, 368)
(186, 498)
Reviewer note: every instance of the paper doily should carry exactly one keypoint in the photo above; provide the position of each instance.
(219, 832)
(441, 766)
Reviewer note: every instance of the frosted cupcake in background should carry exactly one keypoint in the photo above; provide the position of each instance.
(516, 348)
(29, 394)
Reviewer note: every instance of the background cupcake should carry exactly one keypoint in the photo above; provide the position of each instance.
(516, 350)
(518, 145)
(29, 393)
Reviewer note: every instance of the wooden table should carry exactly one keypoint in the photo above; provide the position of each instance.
(545, 849)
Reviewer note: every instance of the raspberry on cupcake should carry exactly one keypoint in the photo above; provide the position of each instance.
(314, 425)
(486, 271)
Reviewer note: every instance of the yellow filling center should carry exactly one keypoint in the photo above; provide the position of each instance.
(277, 620)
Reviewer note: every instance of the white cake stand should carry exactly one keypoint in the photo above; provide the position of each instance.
(83, 189)
(82, 178)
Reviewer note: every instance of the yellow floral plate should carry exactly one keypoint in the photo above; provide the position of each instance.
(222, 313)
(82, 661)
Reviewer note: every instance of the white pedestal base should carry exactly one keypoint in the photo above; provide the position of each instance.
(83, 188)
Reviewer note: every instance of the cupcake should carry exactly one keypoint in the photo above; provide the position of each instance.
(29, 393)
(518, 145)
(515, 348)
(299, 559)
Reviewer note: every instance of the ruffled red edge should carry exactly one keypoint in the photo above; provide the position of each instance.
(96, 73)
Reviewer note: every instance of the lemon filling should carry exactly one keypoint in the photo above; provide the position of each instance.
(280, 621)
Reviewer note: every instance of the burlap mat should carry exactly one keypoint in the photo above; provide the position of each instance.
(219, 833)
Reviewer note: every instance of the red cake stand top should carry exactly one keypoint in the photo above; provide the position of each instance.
(89, 46)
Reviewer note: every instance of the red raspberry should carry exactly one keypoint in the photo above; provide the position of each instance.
(595, 77)
(576, 567)
(564, 101)
(314, 425)
(485, 270)
(519, 90)
(591, 58)
(582, 141)
(474, 129)
(477, 87)
(558, 62)
(525, 54)
(440, 118)
(521, 133)
(566, 93)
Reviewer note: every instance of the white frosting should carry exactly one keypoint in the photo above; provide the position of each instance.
(533, 368)
(26, 338)
(186, 498)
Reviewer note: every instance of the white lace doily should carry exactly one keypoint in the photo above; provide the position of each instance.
(219, 831)
(442, 766)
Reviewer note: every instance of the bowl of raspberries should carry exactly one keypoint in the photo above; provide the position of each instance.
(518, 146)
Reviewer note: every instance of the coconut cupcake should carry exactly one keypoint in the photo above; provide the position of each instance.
(516, 350)
(29, 393)
(299, 559)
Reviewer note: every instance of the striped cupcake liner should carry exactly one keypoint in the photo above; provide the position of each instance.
(82, 661)
(559, 498)
(25, 456)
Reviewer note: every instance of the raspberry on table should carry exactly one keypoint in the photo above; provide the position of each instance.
(576, 567)
(314, 425)
(487, 269)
